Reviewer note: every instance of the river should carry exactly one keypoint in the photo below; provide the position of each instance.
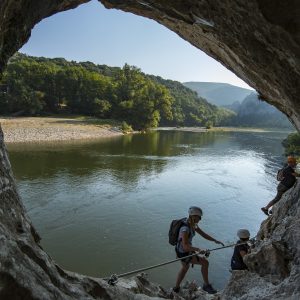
(105, 207)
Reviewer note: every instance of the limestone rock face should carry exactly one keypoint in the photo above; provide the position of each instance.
(259, 41)
(189, 290)
(274, 264)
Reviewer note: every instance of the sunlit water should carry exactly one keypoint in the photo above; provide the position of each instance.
(105, 207)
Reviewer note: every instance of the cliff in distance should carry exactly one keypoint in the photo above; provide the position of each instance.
(219, 93)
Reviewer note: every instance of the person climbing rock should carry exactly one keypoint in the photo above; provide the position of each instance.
(287, 180)
(240, 250)
(184, 248)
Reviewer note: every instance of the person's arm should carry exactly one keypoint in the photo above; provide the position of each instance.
(187, 247)
(244, 249)
(243, 253)
(293, 172)
(207, 237)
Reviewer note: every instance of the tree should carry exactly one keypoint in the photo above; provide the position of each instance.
(140, 101)
(42, 85)
(101, 108)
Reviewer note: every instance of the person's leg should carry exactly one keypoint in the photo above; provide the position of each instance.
(275, 200)
(204, 267)
(204, 270)
(280, 191)
(181, 274)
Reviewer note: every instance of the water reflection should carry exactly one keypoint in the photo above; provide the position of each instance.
(126, 158)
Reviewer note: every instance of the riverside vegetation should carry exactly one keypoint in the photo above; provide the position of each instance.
(292, 144)
(39, 86)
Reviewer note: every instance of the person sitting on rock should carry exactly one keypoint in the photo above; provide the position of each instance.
(288, 180)
(240, 250)
(184, 248)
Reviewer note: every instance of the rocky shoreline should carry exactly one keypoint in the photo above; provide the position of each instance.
(68, 129)
(51, 129)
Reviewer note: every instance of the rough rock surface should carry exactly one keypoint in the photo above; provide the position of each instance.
(189, 290)
(274, 264)
(259, 41)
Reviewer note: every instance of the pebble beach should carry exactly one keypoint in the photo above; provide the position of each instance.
(48, 129)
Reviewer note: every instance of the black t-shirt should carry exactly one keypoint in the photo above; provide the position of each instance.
(289, 178)
(237, 262)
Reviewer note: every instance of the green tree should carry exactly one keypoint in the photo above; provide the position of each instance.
(139, 101)
(101, 108)
(292, 144)
(42, 85)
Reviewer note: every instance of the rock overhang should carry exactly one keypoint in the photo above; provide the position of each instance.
(257, 40)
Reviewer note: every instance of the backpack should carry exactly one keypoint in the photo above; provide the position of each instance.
(280, 174)
(174, 230)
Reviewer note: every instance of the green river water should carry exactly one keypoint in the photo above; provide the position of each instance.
(105, 207)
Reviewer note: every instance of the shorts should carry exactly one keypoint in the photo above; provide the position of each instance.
(184, 254)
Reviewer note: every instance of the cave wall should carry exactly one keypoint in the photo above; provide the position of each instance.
(274, 263)
(258, 40)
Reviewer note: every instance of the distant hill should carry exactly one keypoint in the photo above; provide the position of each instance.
(254, 112)
(250, 111)
(221, 94)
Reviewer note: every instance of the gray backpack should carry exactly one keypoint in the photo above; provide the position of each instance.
(174, 230)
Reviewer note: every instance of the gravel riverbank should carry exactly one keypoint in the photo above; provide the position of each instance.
(47, 129)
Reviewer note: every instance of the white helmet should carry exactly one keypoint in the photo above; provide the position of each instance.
(243, 234)
(195, 211)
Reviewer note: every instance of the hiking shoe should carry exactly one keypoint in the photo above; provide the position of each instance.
(265, 211)
(270, 212)
(176, 289)
(209, 289)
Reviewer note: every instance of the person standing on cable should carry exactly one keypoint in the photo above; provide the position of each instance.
(240, 250)
(184, 248)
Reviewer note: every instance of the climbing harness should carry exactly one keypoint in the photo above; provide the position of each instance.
(113, 279)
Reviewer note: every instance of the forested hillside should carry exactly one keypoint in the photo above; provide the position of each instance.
(254, 112)
(39, 86)
(189, 109)
(250, 111)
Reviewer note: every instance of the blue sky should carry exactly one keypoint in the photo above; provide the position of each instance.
(112, 37)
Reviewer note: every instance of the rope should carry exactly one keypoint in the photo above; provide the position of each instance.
(114, 277)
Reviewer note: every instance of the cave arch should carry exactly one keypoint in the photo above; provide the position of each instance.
(257, 40)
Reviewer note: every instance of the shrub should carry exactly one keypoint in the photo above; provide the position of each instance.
(292, 144)
(126, 128)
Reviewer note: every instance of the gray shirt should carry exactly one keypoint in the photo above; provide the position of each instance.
(191, 234)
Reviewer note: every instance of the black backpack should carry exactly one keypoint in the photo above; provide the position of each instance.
(174, 230)
(280, 174)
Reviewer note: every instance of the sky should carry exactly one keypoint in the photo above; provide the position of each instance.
(112, 37)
